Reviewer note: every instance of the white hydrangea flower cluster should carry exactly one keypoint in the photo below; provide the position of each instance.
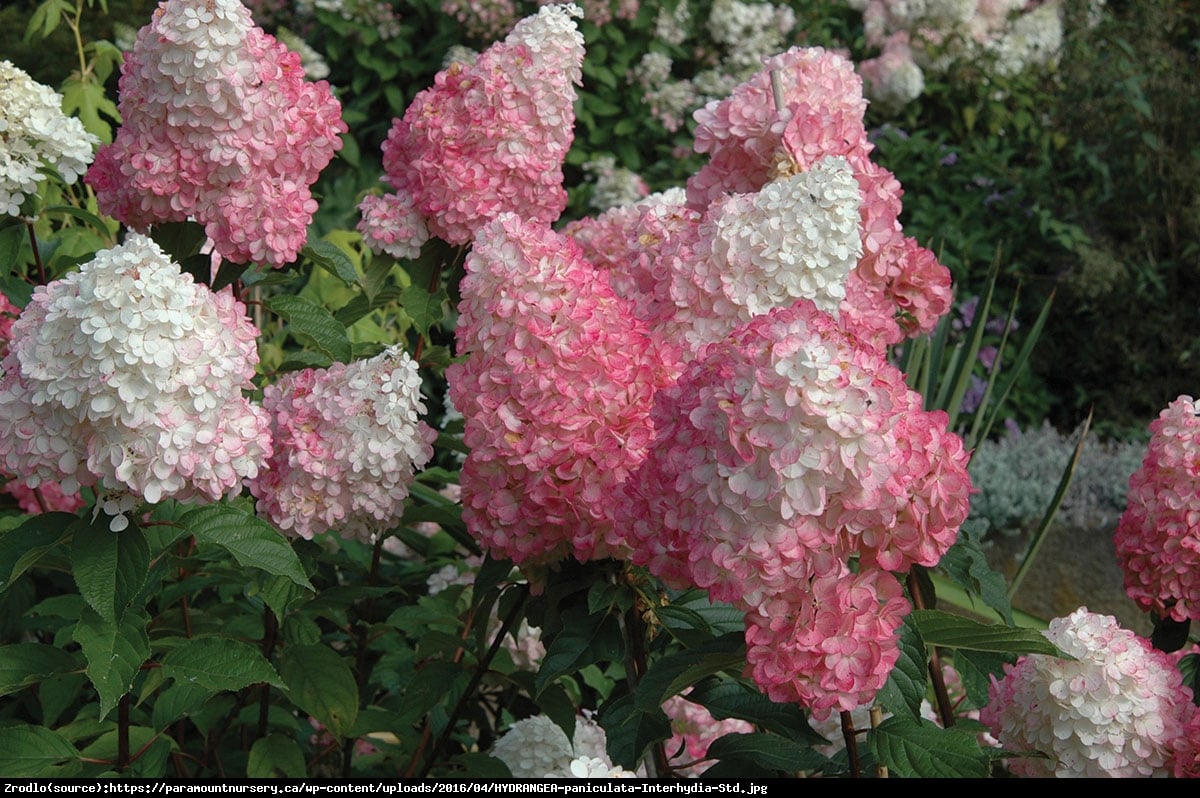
(129, 375)
(313, 62)
(750, 30)
(672, 25)
(35, 135)
(615, 186)
(1034, 39)
(798, 238)
(537, 748)
(348, 443)
(1116, 711)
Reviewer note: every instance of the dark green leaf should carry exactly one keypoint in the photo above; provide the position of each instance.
(330, 257)
(22, 664)
(914, 748)
(310, 322)
(769, 751)
(253, 542)
(28, 752)
(179, 700)
(109, 567)
(321, 684)
(218, 663)
(21, 548)
(583, 640)
(967, 565)
(905, 687)
(976, 668)
(424, 308)
(276, 756)
(670, 675)
(953, 631)
(631, 731)
(114, 650)
(734, 698)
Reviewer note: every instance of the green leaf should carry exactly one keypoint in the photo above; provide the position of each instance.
(976, 668)
(87, 100)
(953, 631)
(631, 731)
(275, 756)
(768, 751)
(85, 216)
(312, 323)
(253, 542)
(583, 640)
(21, 548)
(424, 308)
(219, 663)
(12, 240)
(670, 675)
(916, 748)
(321, 684)
(967, 565)
(329, 256)
(114, 650)
(30, 752)
(179, 701)
(735, 698)
(109, 567)
(905, 687)
(22, 664)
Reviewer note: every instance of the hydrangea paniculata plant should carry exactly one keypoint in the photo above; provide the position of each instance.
(485, 139)
(128, 375)
(218, 125)
(1158, 537)
(1119, 709)
(348, 443)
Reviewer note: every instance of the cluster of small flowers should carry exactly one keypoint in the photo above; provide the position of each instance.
(1158, 537)
(601, 12)
(614, 185)
(348, 441)
(220, 126)
(129, 375)
(742, 36)
(315, 67)
(556, 385)
(37, 136)
(781, 453)
(1119, 709)
(537, 748)
(379, 15)
(693, 730)
(928, 37)
(485, 20)
(487, 138)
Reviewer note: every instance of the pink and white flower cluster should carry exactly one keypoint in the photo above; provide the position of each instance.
(485, 139)
(782, 454)
(537, 748)
(348, 441)
(555, 385)
(129, 376)
(220, 126)
(1119, 709)
(1158, 537)
(36, 136)
(693, 730)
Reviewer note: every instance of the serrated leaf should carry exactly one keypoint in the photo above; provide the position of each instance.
(330, 257)
(109, 567)
(424, 308)
(88, 101)
(915, 748)
(313, 324)
(253, 542)
(734, 698)
(219, 663)
(953, 631)
(21, 548)
(178, 701)
(114, 650)
(583, 640)
(769, 751)
(275, 756)
(30, 752)
(905, 687)
(630, 731)
(967, 565)
(321, 684)
(672, 674)
(976, 668)
(23, 664)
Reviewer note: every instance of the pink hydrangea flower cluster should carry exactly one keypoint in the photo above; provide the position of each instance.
(348, 443)
(780, 454)
(128, 375)
(485, 139)
(1119, 709)
(693, 730)
(556, 388)
(1158, 537)
(220, 126)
